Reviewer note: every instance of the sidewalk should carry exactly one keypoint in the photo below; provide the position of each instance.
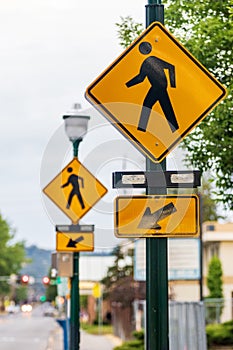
(93, 342)
(88, 341)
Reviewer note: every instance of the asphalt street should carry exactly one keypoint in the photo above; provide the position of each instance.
(32, 330)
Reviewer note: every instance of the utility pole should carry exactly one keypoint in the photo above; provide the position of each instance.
(156, 248)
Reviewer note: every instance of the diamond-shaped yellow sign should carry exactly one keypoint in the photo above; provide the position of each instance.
(75, 190)
(155, 92)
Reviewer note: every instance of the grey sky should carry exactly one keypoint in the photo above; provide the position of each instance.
(51, 50)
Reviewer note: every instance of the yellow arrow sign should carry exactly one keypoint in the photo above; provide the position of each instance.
(75, 190)
(157, 216)
(75, 242)
(156, 92)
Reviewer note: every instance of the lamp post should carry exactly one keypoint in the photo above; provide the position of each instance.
(75, 127)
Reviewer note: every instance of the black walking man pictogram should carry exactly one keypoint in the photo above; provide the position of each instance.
(73, 180)
(153, 68)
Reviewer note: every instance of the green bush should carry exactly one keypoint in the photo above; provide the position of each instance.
(130, 345)
(139, 335)
(137, 343)
(220, 334)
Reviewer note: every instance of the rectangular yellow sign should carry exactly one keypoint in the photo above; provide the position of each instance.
(74, 242)
(157, 216)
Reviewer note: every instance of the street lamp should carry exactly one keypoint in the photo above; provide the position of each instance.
(75, 127)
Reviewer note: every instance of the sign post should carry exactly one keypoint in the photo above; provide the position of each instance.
(157, 321)
(75, 191)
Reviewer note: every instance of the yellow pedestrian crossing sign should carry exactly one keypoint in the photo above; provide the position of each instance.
(157, 216)
(74, 242)
(75, 190)
(155, 92)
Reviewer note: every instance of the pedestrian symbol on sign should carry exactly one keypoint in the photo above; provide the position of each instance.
(153, 68)
(73, 180)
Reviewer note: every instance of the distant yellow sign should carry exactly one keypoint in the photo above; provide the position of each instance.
(75, 242)
(96, 290)
(155, 92)
(157, 216)
(75, 190)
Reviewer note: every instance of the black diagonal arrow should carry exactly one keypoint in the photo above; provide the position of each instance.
(150, 220)
(72, 243)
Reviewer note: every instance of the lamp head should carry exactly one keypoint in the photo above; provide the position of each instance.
(75, 123)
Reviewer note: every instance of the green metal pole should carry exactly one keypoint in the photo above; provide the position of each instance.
(156, 248)
(75, 306)
(74, 295)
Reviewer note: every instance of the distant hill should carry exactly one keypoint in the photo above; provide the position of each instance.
(40, 262)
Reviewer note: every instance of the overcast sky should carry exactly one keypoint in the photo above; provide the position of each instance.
(51, 50)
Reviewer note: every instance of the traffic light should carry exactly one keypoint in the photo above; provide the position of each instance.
(24, 279)
(46, 280)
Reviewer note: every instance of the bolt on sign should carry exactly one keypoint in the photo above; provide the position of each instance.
(155, 92)
(157, 216)
(75, 190)
(74, 242)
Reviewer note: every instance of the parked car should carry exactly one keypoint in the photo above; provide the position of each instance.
(12, 309)
(50, 311)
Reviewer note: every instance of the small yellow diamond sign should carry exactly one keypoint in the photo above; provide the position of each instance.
(75, 242)
(75, 190)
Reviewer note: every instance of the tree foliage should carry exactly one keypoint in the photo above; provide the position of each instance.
(118, 271)
(205, 27)
(209, 206)
(50, 289)
(11, 255)
(214, 278)
(128, 30)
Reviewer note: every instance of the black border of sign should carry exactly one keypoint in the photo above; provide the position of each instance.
(169, 235)
(104, 111)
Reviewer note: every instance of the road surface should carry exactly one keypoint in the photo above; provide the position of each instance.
(26, 331)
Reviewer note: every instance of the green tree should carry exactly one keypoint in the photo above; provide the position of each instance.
(214, 284)
(120, 269)
(205, 27)
(12, 255)
(128, 30)
(21, 294)
(50, 289)
(214, 278)
(209, 205)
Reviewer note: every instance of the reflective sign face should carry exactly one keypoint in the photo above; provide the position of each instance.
(157, 216)
(75, 242)
(155, 93)
(75, 190)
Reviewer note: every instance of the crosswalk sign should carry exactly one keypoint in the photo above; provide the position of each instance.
(155, 92)
(75, 190)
